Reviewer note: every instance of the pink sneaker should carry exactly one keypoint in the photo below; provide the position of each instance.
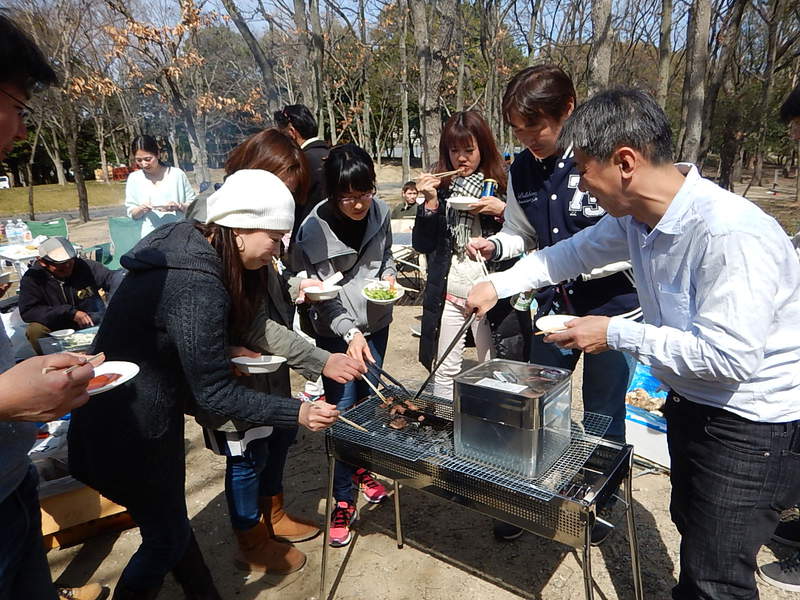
(373, 490)
(343, 516)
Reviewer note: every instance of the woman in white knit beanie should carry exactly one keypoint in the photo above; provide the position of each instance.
(190, 288)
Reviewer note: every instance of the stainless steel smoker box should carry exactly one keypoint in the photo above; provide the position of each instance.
(514, 416)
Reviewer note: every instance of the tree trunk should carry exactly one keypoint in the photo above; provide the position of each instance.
(29, 171)
(367, 108)
(55, 157)
(772, 23)
(697, 80)
(265, 65)
(172, 139)
(317, 55)
(72, 148)
(600, 53)
(431, 53)
(729, 36)
(462, 61)
(664, 52)
(404, 140)
(301, 61)
(331, 118)
(101, 145)
(530, 38)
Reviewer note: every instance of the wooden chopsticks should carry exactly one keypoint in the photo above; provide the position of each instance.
(352, 424)
(446, 173)
(91, 360)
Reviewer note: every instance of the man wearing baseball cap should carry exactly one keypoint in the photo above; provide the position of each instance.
(61, 291)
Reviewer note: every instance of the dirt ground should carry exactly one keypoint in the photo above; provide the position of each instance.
(449, 552)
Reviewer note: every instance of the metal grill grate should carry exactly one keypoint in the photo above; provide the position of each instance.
(459, 474)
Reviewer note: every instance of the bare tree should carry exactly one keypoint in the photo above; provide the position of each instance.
(771, 18)
(405, 136)
(696, 81)
(432, 48)
(664, 52)
(602, 40)
(265, 65)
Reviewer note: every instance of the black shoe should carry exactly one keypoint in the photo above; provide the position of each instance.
(505, 532)
(788, 532)
(784, 574)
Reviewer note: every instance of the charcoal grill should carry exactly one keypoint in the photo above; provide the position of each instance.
(561, 504)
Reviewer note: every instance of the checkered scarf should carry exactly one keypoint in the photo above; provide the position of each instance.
(459, 222)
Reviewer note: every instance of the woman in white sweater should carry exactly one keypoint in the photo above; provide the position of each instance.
(156, 194)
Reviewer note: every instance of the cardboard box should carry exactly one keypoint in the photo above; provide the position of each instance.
(648, 434)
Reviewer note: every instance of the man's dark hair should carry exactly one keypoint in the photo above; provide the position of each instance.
(23, 63)
(299, 117)
(410, 185)
(615, 118)
(790, 109)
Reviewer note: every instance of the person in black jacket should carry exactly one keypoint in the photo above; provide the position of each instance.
(61, 291)
(297, 121)
(190, 286)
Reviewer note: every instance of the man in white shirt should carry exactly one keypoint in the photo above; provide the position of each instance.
(719, 287)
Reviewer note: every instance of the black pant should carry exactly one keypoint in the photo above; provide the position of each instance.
(730, 479)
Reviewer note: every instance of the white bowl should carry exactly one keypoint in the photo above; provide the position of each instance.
(61, 333)
(461, 202)
(382, 285)
(553, 323)
(256, 366)
(315, 293)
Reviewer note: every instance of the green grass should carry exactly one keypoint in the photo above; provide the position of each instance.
(58, 198)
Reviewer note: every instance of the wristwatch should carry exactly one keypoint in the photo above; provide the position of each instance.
(348, 337)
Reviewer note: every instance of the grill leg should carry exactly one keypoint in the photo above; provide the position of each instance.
(326, 534)
(397, 525)
(587, 557)
(632, 537)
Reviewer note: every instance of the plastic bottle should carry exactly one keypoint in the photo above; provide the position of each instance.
(11, 232)
(27, 236)
(19, 230)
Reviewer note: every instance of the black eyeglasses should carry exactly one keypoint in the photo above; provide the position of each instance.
(26, 112)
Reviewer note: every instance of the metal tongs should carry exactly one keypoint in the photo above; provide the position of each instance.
(467, 324)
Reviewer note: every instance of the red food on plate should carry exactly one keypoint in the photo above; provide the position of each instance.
(95, 383)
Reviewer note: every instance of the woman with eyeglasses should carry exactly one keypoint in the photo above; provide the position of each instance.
(351, 233)
(156, 193)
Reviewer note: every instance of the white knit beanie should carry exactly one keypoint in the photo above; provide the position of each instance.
(252, 199)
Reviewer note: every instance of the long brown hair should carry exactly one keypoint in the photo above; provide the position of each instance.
(274, 151)
(460, 129)
(246, 288)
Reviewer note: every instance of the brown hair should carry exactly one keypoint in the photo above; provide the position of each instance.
(460, 129)
(274, 151)
(246, 288)
(409, 185)
(543, 90)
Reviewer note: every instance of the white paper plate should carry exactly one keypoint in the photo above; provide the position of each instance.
(61, 333)
(461, 202)
(128, 370)
(256, 366)
(315, 293)
(382, 285)
(553, 323)
(5, 277)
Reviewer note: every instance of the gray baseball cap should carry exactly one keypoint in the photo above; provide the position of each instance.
(56, 250)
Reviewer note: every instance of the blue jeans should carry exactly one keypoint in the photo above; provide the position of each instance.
(730, 479)
(166, 534)
(606, 377)
(24, 572)
(345, 395)
(258, 473)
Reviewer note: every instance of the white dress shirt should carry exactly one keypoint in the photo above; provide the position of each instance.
(719, 286)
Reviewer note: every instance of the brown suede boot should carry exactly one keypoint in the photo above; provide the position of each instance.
(283, 526)
(259, 552)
